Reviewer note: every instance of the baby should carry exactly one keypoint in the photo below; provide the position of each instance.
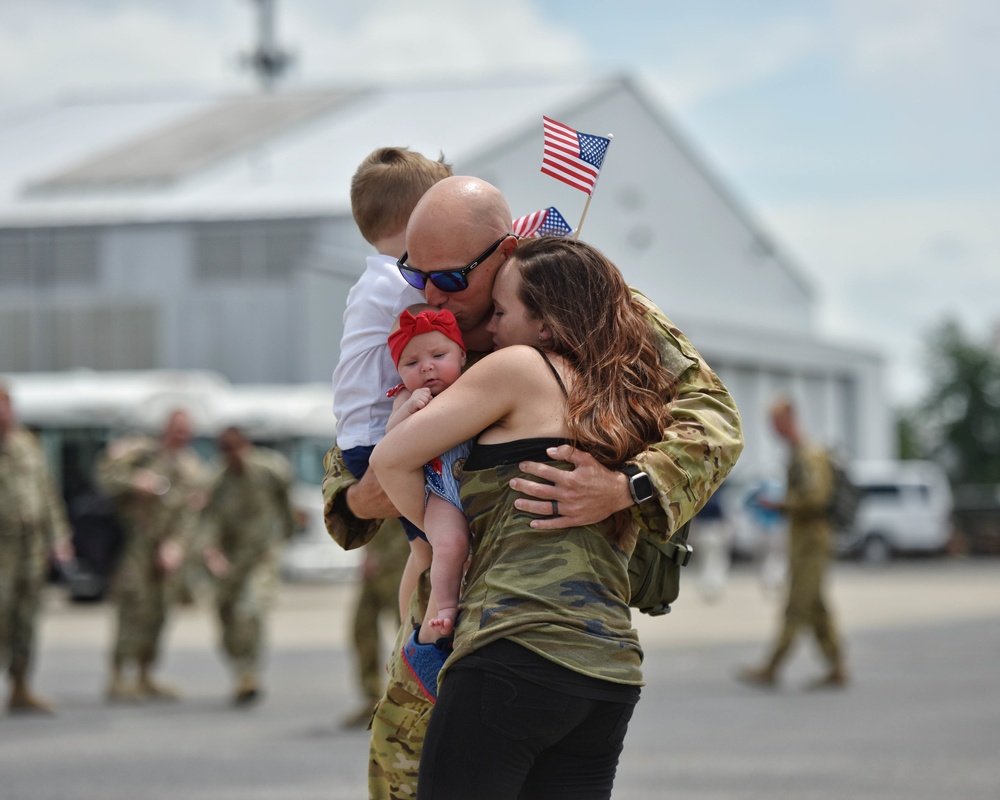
(429, 353)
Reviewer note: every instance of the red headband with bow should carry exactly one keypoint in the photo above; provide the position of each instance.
(425, 322)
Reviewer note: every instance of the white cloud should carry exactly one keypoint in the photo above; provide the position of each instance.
(889, 270)
(700, 68)
(50, 47)
(440, 38)
(920, 47)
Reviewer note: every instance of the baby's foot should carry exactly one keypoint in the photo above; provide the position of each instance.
(444, 623)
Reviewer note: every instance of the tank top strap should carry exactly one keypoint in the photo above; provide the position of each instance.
(555, 372)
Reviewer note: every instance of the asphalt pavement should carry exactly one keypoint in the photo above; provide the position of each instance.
(921, 718)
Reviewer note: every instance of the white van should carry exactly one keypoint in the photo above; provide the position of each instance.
(905, 508)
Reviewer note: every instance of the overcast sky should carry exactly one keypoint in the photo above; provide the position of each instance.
(863, 134)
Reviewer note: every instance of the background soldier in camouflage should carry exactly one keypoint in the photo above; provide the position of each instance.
(157, 487)
(450, 225)
(246, 522)
(810, 488)
(378, 598)
(32, 524)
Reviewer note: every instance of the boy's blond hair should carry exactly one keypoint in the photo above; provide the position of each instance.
(386, 187)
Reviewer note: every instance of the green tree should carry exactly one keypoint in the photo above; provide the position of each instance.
(909, 442)
(963, 408)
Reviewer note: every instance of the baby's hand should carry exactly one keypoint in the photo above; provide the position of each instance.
(420, 398)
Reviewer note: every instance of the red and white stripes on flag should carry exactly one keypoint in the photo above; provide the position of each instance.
(572, 157)
(528, 224)
(547, 222)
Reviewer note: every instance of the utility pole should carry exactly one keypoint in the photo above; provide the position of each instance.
(267, 61)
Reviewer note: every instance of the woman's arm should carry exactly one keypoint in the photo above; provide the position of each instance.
(487, 393)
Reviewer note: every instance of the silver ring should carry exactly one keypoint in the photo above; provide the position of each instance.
(555, 508)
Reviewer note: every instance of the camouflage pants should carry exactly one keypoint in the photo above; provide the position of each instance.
(142, 598)
(242, 606)
(805, 608)
(22, 579)
(400, 721)
(377, 598)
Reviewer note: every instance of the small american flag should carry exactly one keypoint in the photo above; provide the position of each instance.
(547, 222)
(572, 157)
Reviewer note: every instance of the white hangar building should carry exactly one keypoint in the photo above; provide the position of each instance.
(215, 233)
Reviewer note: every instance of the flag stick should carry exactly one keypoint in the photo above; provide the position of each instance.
(590, 196)
(576, 235)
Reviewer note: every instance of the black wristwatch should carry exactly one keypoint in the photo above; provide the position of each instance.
(639, 484)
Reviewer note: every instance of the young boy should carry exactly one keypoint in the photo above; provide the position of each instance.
(384, 190)
(429, 353)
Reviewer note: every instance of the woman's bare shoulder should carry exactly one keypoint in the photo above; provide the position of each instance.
(517, 358)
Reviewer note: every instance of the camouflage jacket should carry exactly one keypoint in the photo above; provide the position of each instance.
(28, 498)
(807, 498)
(249, 514)
(698, 450)
(152, 519)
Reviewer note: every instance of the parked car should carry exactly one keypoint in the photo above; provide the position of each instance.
(905, 508)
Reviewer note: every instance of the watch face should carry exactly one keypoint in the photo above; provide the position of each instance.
(641, 486)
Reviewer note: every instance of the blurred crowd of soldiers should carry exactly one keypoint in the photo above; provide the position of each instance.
(181, 517)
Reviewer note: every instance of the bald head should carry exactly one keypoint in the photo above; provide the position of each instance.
(454, 223)
(783, 419)
(177, 431)
(458, 205)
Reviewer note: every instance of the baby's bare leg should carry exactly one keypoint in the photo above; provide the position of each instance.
(448, 533)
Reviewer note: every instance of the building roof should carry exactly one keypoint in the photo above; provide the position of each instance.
(159, 159)
(667, 218)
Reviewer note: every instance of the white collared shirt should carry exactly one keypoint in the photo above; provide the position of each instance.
(365, 371)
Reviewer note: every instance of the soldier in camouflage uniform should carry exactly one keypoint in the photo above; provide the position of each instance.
(32, 524)
(245, 524)
(451, 224)
(158, 488)
(807, 498)
(378, 598)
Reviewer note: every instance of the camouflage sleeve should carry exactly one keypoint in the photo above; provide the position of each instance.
(702, 442)
(282, 477)
(208, 528)
(346, 529)
(114, 469)
(56, 523)
(57, 529)
(195, 480)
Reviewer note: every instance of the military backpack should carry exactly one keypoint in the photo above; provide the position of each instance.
(845, 497)
(654, 571)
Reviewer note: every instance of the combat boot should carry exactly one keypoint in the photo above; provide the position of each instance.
(836, 678)
(120, 689)
(154, 690)
(247, 689)
(24, 701)
(758, 676)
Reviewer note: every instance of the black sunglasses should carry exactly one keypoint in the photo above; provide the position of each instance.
(447, 280)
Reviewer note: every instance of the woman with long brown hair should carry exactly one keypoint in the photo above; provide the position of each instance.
(535, 699)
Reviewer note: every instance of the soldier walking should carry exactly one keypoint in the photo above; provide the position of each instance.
(245, 524)
(32, 525)
(157, 487)
(807, 499)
